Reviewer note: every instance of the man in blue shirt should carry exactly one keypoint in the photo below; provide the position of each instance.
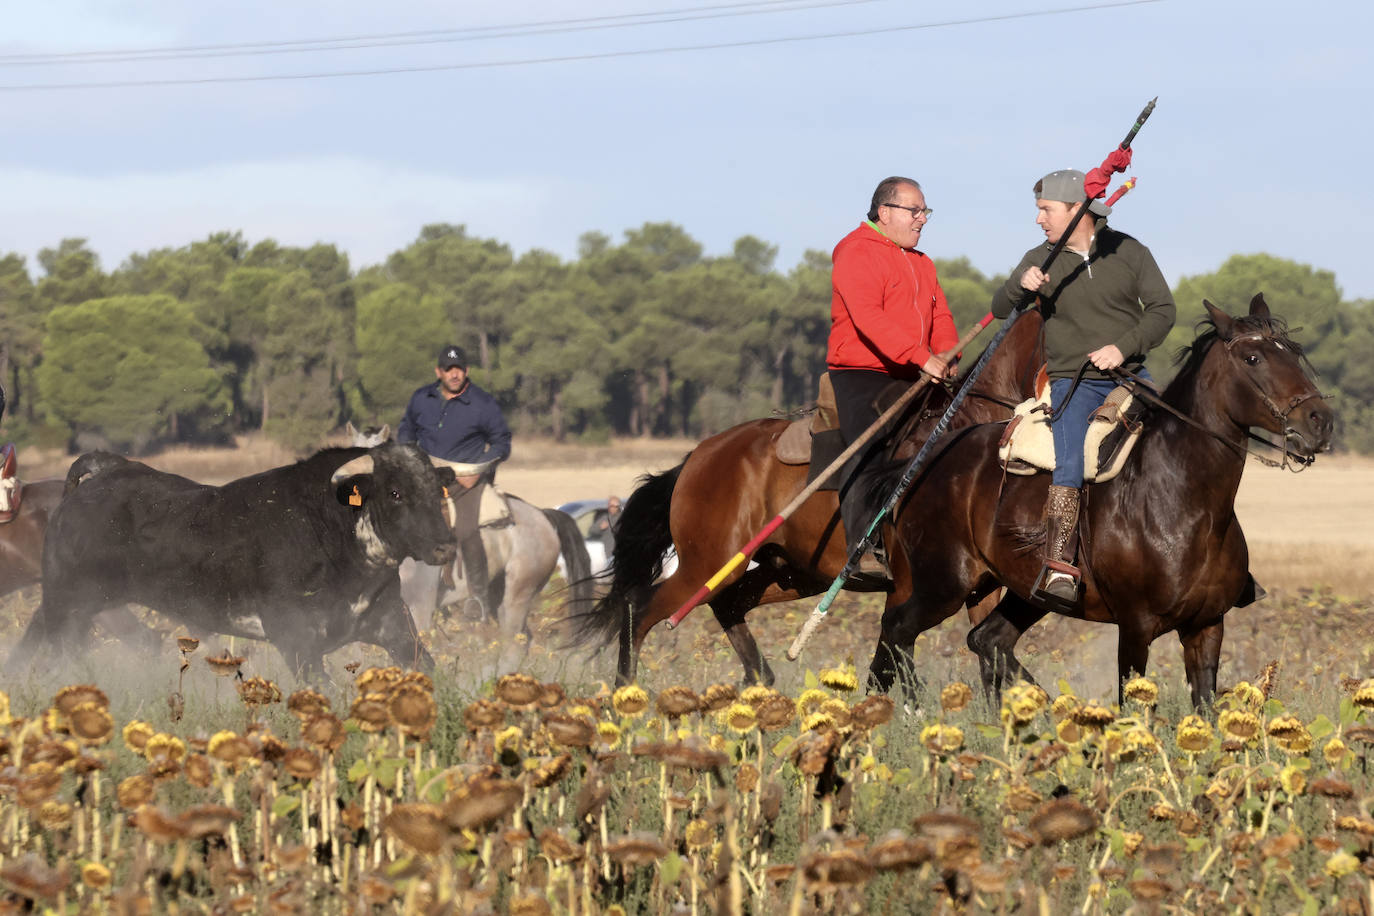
(461, 425)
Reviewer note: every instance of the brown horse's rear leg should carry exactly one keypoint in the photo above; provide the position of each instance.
(1201, 656)
(994, 642)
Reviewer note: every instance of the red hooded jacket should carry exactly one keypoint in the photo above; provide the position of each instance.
(887, 311)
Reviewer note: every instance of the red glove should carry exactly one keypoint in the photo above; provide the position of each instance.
(1096, 181)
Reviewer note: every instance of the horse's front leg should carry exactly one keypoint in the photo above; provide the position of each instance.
(1132, 654)
(1201, 657)
(994, 642)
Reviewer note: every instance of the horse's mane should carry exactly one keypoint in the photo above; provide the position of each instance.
(1189, 357)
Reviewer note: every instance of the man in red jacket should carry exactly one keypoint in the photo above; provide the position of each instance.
(888, 320)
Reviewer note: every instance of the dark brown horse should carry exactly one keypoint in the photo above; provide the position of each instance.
(1161, 549)
(730, 486)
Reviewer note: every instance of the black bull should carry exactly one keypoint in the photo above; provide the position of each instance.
(304, 556)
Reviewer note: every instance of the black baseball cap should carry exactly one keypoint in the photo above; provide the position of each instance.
(452, 355)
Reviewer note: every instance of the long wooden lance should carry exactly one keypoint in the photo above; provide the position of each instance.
(914, 467)
(859, 442)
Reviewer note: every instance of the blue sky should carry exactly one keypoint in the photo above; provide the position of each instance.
(1259, 142)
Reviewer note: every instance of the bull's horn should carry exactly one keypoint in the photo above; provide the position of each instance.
(360, 465)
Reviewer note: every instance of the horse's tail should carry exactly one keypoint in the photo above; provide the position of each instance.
(575, 559)
(642, 537)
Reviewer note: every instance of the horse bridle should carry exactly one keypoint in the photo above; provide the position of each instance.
(1290, 459)
(1294, 402)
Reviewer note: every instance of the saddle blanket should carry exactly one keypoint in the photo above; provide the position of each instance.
(494, 511)
(1027, 444)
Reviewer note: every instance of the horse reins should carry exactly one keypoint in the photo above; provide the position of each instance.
(1144, 389)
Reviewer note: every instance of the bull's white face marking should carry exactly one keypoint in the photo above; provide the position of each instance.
(249, 625)
(374, 548)
(360, 605)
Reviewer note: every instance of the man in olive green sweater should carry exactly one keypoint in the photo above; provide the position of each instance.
(1105, 303)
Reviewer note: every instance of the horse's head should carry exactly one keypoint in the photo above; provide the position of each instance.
(1263, 381)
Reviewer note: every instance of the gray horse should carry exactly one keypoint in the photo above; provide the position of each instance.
(521, 557)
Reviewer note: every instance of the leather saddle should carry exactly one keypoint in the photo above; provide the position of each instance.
(1027, 444)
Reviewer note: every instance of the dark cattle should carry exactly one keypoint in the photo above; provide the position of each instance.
(304, 556)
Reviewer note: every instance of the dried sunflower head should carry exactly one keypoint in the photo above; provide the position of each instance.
(843, 679)
(136, 734)
(419, 826)
(229, 747)
(324, 732)
(225, 664)
(70, 697)
(307, 703)
(370, 712)
(165, 747)
(91, 723)
(1364, 694)
(1062, 819)
(518, 690)
(719, 696)
(873, 711)
(481, 803)
(955, 696)
(1239, 724)
(942, 739)
(570, 731)
(740, 717)
(198, 771)
(698, 834)
(630, 701)
(1194, 734)
(258, 691)
(301, 764)
(632, 850)
(481, 714)
(895, 851)
(1291, 734)
(775, 712)
(836, 868)
(1142, 690)
(677, 701)
(412, 709)
(378, 679)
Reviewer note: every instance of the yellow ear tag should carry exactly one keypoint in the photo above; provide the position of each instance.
(445, 492)
(355, 498)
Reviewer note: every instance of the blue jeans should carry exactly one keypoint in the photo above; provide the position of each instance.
(1071, 426)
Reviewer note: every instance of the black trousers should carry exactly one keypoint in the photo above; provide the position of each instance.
(856, 393)
(467, 505)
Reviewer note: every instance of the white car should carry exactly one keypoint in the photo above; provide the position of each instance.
(589, 513)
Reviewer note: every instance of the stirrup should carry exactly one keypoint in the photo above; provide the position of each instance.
(1056, 588)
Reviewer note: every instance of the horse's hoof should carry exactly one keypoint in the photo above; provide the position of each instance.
(913, 713)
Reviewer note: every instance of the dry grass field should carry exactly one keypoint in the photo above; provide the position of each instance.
(470, 793)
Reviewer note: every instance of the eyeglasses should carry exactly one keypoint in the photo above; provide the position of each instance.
(914, 211)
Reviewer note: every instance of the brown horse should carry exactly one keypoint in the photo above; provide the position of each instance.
(1161, 549)
(21, 557)
(731, 485)
(21, 540)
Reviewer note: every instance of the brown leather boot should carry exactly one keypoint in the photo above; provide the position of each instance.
(1057, 585)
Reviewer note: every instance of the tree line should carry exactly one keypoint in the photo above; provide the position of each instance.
(644, 337)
